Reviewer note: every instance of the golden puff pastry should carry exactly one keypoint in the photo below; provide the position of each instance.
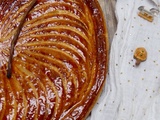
(53, 58)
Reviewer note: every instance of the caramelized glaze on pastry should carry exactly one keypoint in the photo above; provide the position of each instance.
(60, 59)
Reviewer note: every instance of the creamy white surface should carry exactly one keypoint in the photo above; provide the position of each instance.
(132, 93)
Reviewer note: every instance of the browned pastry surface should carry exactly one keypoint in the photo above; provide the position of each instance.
(60, 59)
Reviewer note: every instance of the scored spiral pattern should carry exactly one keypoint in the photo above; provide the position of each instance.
(59, 62)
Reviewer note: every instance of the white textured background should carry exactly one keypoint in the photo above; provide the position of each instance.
(132, 93)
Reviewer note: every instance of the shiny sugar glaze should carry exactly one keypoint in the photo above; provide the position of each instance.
(60, 59)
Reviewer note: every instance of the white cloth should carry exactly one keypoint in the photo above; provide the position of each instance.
(132, 93)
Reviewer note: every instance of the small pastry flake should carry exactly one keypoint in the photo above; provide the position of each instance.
(140, 55)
